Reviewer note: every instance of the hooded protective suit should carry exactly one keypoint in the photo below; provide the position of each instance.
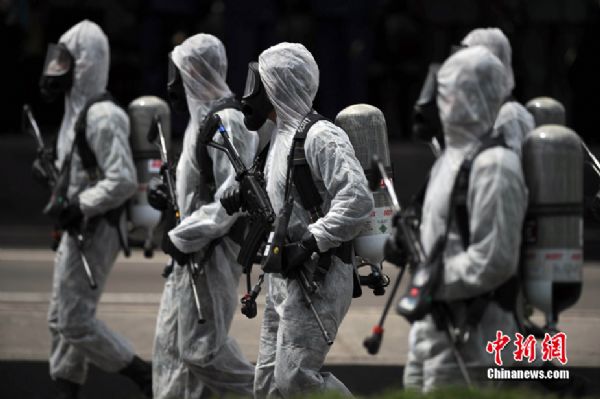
(472, 85)
(188, 355)
(292, 348)
(77, 336)
(513, 121)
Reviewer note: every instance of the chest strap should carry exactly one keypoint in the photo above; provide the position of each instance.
(204, 161)
(88, 158)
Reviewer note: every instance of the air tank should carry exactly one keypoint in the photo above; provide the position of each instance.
(366, 129)
(546, 111)
(553, 235)
(142, 112)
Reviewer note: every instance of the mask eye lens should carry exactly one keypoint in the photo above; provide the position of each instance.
(252, 80)
(58, 60)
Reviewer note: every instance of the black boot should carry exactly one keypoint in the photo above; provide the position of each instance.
(66, 389)
(140, 372)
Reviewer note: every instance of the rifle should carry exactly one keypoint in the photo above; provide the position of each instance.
(415, 255)
(192, 268)
(253, 198)
(250, 197)
(593, 160)
(59, 184)
(44, 164)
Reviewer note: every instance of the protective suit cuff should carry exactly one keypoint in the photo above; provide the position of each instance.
(455, 285)
(88, 211)
(323, 243)
(185, 246)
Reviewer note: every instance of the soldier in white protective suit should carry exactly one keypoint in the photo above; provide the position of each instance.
(513, 121)
(77, 67)
(189, 356)
(472, 85)
(282, 87)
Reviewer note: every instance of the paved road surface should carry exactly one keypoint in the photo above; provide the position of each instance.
(132, 295)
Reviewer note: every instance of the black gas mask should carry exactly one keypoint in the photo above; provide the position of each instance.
(175, 89)
(426, 117)
(57, 75)
(255, 102)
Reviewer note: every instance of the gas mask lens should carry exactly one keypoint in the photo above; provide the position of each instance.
(59, 60)
(252, 80)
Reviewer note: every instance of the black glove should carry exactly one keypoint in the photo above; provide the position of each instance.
(39, 172)
(394, 250)
(70, 216)
(170, 249)
(158, 194)
(295, 254)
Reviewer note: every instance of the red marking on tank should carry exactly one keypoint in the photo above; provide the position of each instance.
(576, 257)
(388, 212)
(554, 256)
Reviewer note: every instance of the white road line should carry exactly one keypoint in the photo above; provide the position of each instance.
(109, 297)
(43, 255)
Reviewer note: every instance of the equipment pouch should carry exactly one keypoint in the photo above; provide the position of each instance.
(417, 302)
(273, 255)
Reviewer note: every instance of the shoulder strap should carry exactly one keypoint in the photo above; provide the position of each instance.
(88, 158)
(204, 161)
(461, 188)
(300, 170)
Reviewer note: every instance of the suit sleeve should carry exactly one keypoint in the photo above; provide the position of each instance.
(331, 159)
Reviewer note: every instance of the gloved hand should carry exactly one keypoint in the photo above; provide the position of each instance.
(170, 249)
(394, 250)
(295, 254)
(70, 216)
(38, 171)
(158, 194)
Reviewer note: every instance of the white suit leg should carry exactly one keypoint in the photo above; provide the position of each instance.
(206, 349)
(75, 305)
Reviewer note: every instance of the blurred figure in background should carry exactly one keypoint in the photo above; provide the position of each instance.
(93, 149)
(513, 121)
(472, 85)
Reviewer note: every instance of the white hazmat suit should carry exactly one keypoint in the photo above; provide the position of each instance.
(472, 85)
(189, 356)
(77, 336)
(292, 349)
(513, 121)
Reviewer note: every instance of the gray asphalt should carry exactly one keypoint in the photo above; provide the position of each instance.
(132, 295)
(130, 303)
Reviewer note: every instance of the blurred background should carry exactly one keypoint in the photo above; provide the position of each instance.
(374, 51)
